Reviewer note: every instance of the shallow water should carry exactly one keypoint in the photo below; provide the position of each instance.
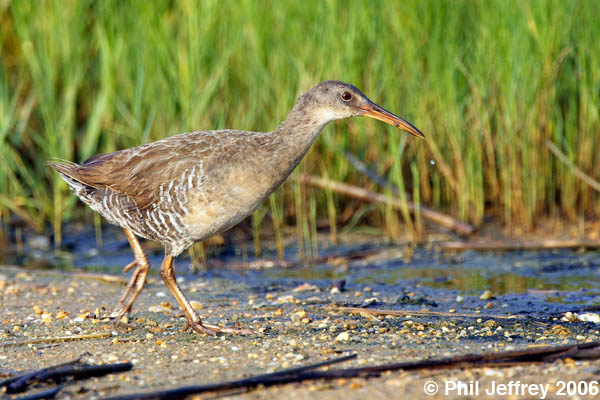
(532, 282)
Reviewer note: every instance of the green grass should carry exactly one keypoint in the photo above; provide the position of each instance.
(486, 81)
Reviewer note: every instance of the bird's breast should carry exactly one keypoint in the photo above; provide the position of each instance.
(236, 195)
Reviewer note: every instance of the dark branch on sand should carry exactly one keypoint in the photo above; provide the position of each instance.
(60, 373)
(274, 378)
(43, 394)
(499, 359)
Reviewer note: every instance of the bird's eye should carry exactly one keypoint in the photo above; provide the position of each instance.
(346, 96)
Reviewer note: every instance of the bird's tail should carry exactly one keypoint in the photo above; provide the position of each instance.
(69, 171)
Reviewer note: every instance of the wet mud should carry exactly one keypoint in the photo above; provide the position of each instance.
(486, 302)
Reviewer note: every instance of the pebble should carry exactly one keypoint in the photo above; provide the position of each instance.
(61, 314)
(305, 287)
(560, 330)
(370, 301)
(486, 295)
(589, 317)
(342, 337)
(285, 299)
(323, 324)
(569, 317)
(160, 309)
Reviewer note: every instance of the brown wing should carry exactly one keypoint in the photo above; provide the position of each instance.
(140, 171)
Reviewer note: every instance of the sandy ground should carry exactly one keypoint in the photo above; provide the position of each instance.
(295, 326)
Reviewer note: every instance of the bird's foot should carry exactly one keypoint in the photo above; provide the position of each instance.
(121, 311)
(214, 330)
(133, 289)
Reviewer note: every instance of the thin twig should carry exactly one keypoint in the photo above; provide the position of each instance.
(504, 245)
(444, 220)
(402, 313)
(101, 277)
(57, 339)
(576, 171)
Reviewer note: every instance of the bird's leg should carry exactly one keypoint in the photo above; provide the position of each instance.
(138, 279)
(167, 273)
(132, 281)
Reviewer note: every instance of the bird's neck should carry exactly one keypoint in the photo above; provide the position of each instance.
(298, 132)
(288, 144)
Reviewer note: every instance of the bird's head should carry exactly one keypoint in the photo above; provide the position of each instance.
(332, 100)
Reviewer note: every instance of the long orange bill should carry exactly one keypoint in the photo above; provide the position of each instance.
(374, 111)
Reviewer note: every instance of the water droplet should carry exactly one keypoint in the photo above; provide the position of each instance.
(397, 125)
(431, 162)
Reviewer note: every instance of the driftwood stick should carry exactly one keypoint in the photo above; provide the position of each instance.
(503, 245)
(371, 311)
(504, 358)
(533, 355)
(576, 171)
(286, 375)
(443, 220)
(44, 394)
(28, 375)
(63, 372)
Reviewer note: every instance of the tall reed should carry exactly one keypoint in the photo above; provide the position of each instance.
(488, 82)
